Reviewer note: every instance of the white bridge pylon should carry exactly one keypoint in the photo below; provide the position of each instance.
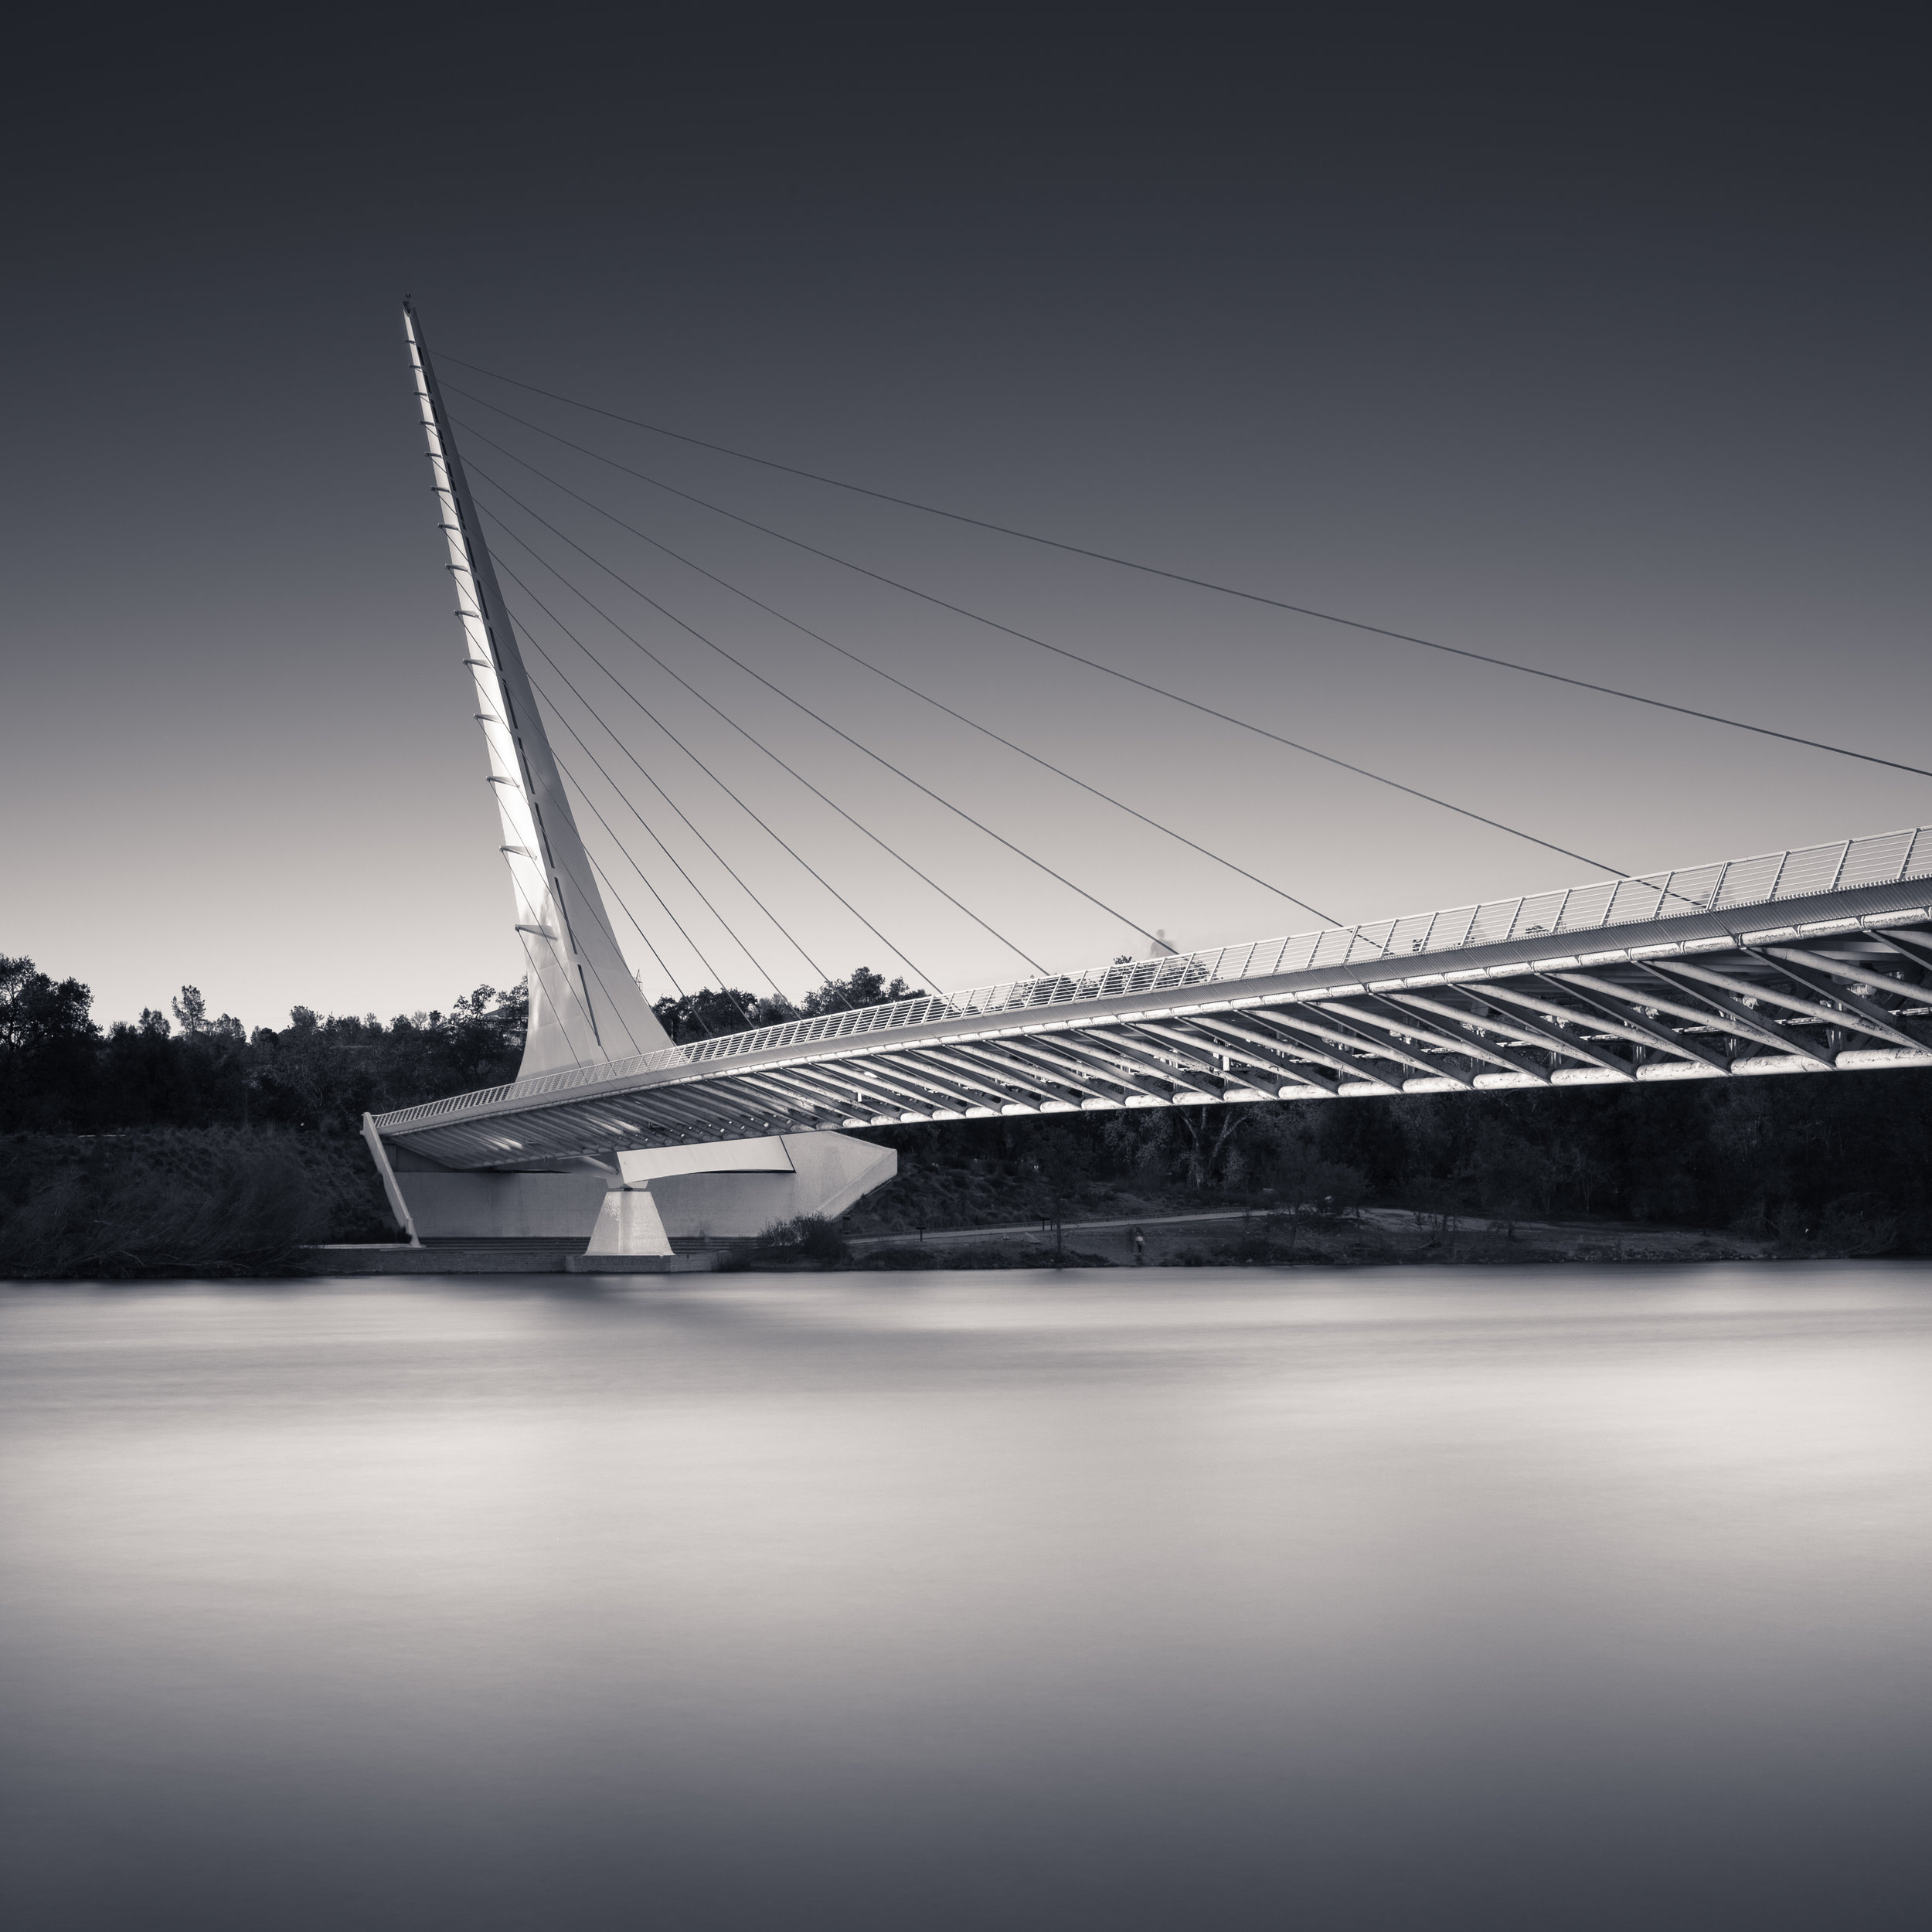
(585, 1009)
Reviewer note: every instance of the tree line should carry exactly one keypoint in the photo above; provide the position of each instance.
(1790, 1156)
(62, 1072)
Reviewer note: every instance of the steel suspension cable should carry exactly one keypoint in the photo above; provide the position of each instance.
(611, 888)
(581, 990)
(702, 899)
(650, 779)
(879, 671)
(1061, 651)
(702, 765)
(577, 786)
(895, 951)
(628, 914)
(1181, 577)
(532, 982)
(577, 783)
(817, 718)
(858, 823)
(583, 999)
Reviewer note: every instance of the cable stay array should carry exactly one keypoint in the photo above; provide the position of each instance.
(519, 522)
(1061, 651)
(877, 758)
(576, 785)
(925, 697)
(730, 871)
(1177, 576)
(757, 744)
(763, 824)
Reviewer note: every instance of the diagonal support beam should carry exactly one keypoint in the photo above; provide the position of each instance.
(1293, 1023)
(918, 1070)
(1060, 1064)
(1809, 969)
(1915, 946)
(1850, 1011)
(1265, 1029)
(806, 1092)
(1533, 1032)
(1672, 999)
(1168, 1052)
(1464, 1041)
(1379, 1034)
(892, 1085)
(972, 1088)
(842, 1095)
(1735, 1016)
(1017, 1076)
(1614, 1011)
(881, 1072)
(1114, 1065)
(1272, 1058)
(1118, 1055)
(1204, 1056)
(971, 1077)
(1734, 996)
(795, 1103)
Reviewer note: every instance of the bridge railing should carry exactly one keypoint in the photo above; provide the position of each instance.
(1802, 872)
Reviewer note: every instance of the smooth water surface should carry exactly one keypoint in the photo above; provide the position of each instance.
(1429, 1598)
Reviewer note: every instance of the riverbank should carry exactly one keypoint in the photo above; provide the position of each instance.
(1376, 1238)
(1372, 1237)
(169, 1203)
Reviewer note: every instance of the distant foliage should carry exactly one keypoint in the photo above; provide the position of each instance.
(59, 1072)
(1827, 1165)
(704, 1014)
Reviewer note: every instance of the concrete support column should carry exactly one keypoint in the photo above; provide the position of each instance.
(628, 1222)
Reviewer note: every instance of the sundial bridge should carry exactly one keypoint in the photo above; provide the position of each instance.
(1816, 960)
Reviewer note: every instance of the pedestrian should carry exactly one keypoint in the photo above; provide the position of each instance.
(1140, 1249)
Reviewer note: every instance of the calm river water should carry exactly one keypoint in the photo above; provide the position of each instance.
(1419, 1599)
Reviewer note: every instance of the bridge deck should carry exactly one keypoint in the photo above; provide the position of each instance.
(1811, 960)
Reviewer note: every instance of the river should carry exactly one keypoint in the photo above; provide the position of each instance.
(1578, 1598)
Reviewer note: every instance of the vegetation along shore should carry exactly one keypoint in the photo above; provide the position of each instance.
(184, 1144)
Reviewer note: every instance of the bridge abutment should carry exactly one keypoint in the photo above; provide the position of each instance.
(657, 1202)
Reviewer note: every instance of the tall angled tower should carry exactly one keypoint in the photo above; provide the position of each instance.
(585, 1006)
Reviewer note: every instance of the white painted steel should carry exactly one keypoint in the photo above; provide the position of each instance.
(585, 1011)
(1146, 986)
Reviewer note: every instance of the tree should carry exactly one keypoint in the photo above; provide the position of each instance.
(1308, 1186)
(1208, 1134)
(863, 987)
(47, 1048)
(1064, 1164)
(1369, 1138)
(1510, 1175)
(711, 1011)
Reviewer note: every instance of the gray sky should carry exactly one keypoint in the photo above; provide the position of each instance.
(1595, 343)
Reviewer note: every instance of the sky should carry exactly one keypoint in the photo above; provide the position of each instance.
(1590, 338)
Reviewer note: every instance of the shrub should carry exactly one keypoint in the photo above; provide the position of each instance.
(810, 1237)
